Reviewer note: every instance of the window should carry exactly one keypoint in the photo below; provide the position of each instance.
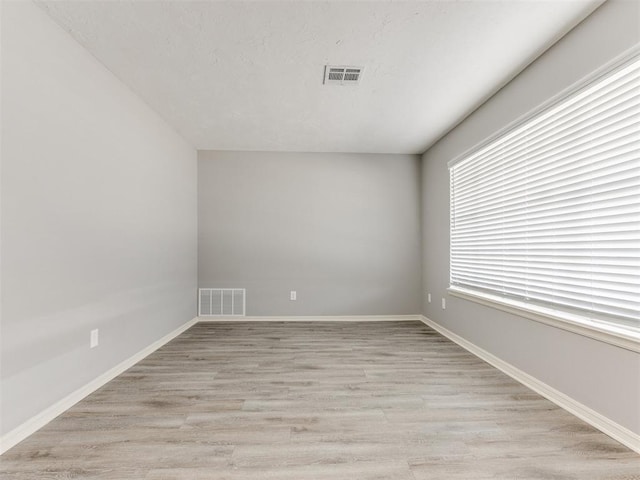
(547, 215)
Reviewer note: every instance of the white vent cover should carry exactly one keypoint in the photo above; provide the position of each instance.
(342, 75)
(218, 302)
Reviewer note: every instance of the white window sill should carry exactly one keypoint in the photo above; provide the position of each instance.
(628, 338)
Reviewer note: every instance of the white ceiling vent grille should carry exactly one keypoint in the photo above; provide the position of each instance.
(341, 75)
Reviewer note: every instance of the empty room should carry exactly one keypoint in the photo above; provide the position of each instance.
(312, 240)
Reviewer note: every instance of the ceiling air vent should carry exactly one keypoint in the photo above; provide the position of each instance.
(340, 75)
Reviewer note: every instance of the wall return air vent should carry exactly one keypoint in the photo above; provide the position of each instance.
(221, 302)
(342, 75)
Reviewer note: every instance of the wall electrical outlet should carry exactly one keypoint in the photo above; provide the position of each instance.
(293, 295)
(429, 297)
(94, 338)
(444, 304)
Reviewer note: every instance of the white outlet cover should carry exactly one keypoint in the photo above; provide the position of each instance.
(94, 340)
(429, 297)
(293, 295)
(444, 304)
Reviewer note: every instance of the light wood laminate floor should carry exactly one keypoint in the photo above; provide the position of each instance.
(311, 401)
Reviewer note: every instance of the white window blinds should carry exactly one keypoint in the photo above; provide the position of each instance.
(549, 213)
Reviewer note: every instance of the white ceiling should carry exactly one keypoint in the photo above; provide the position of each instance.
(236, 75)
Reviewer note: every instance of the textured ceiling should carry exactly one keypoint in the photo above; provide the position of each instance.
(235, 75)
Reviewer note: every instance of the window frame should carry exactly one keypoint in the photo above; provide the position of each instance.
(627, 337)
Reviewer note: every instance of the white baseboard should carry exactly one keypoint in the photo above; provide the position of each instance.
(315, 318)
(597, 420)
(35, 423)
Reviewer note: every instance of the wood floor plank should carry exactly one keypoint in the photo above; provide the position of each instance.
(316, 401)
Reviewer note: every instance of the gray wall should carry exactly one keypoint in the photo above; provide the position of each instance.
(601, 376)
(340, 229)
(98, 218)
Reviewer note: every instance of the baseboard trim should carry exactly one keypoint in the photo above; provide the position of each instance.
(15, 436)
(595, 419)
(315, 318)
